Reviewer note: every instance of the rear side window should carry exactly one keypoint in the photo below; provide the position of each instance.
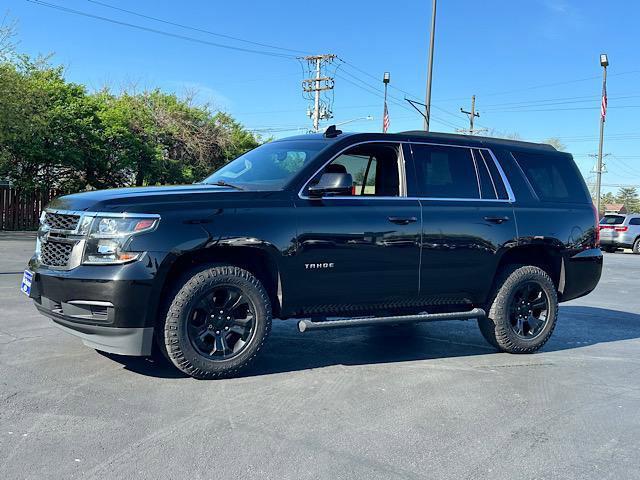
(486, 164)
(554, 178)
(445, 172)
(634, 221)
(612, 220)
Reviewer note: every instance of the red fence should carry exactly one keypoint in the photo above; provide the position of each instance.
(21, 210)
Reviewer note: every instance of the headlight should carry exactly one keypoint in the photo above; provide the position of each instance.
(109, 237)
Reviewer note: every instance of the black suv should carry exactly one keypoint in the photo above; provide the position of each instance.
(335, 229)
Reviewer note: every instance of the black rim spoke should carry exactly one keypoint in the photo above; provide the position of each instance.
(221, 323)
(528, 310)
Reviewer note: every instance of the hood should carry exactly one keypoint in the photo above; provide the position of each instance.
(154, 199)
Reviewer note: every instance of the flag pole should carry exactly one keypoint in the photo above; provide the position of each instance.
(385, 113)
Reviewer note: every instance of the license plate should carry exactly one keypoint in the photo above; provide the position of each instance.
(27, 278)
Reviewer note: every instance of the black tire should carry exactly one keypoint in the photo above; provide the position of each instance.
(609, 249)
(189, 311)
(636, 246)
(510, 332)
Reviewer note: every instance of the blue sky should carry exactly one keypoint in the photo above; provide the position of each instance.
(533, 65)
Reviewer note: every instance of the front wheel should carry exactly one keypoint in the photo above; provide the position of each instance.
(216, 323)
(523, 311)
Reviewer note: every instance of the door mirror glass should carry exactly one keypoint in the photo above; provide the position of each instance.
(332, 184)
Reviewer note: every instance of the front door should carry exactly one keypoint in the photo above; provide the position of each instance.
(361, 249)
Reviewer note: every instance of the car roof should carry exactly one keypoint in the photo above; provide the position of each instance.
(421, 136)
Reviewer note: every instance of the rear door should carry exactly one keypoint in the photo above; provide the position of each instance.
(467, 219)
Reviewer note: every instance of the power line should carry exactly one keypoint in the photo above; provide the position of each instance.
(159, 32)
(560, 109)
(405, 92)
(195, 29)
(556, 101)
(394, 100)
(545, 85)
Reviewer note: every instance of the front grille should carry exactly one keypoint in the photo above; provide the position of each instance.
(61, 221)
(55, 254)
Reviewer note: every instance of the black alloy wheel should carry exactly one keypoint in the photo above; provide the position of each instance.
(529, 310)
(221, 323)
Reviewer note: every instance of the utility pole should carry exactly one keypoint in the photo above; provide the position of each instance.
(599, 166)
(472, 114)
(427, 103)
(316, 84)
(604, 63)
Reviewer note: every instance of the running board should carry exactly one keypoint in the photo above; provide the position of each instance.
(305, 325)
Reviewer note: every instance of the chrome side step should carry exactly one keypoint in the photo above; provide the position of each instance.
(305, 325)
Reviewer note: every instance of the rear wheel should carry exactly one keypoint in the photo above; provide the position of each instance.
(523, 311)
(636, 246)
(609, 249)
(217, 322)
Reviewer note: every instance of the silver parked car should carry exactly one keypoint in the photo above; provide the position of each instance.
(620, 231)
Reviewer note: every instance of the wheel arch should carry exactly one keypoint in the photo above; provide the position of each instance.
(548, 258)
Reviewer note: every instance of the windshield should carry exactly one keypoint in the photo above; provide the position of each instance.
(268, 167)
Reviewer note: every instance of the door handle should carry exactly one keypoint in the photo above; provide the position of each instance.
(497, 220)
(402, 220)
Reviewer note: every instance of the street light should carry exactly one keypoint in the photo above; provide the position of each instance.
(368, 117)
(604, 63)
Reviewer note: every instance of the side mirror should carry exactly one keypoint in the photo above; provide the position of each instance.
(332, 184)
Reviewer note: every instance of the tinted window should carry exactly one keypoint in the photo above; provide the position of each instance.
(495, 174)
(554, 178)
(487, 188)
(634, 221)
(612, 220)
(445, 172)
(270, 166)
(373, 167)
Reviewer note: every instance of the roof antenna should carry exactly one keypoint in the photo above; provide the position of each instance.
(332, 132)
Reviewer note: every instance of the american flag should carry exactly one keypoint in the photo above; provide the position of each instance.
(603, 104)
(385, 119)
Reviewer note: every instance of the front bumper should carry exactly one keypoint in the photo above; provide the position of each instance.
(111, 308)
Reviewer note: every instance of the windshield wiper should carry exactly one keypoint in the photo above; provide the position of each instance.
(222, 183)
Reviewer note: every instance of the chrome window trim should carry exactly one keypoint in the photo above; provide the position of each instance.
(526, 179)
(503, 176)
(486, 167)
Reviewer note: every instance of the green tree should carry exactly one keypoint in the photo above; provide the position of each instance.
(629, 196)
(54, 134)
(555, 143)
(607, 199)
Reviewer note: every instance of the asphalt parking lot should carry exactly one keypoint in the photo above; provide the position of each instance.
(429, 401)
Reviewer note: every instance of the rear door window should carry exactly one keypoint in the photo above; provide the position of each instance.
(634, 221)
(445, 172)
(554, 178)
